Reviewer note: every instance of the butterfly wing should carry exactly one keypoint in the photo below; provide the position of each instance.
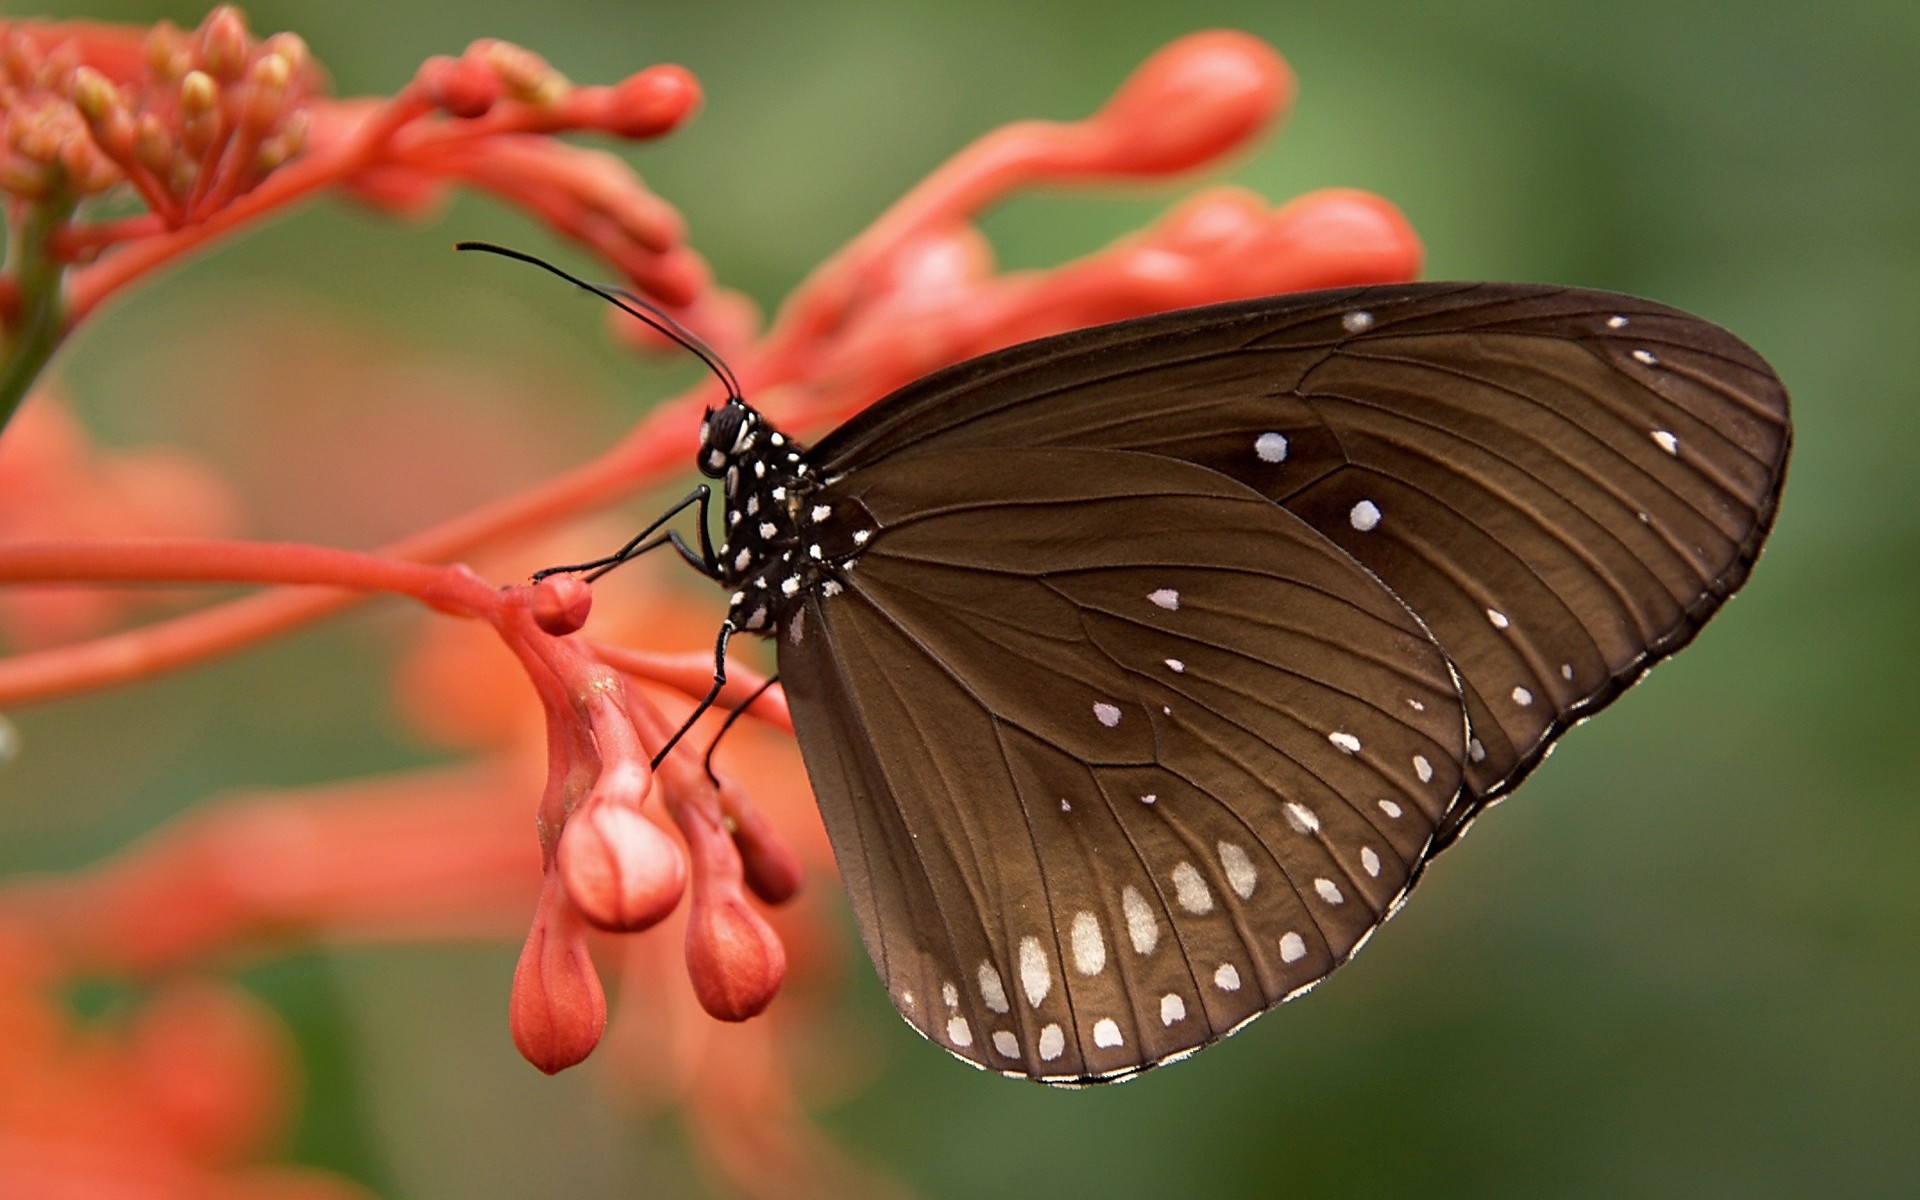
(1564, 485)
(1115, 753)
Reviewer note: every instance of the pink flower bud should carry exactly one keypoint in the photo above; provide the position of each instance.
(224, 43)
(560, 604)
(463, 87)
(734, 958)
(621, 870)
(558, 1010)
(1197, 99)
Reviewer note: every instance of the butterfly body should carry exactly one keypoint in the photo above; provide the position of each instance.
(1140, 671)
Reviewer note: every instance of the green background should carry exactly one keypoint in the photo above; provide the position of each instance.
(1682, 962)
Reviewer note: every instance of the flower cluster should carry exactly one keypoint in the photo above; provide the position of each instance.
(620, 840)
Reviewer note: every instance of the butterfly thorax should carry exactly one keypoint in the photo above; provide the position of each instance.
(769, 556)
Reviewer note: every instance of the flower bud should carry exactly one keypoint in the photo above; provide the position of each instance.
(224, 43)
(558, 1010)
(462, 87)
(649, 103)
(1200, 97)
(214, 1063)
(734, 958)
(560, 604)
(622, 871)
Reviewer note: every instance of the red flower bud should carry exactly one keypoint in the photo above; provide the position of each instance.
(558, 1010)
(464, 87)
(215, 1064)
(560, 604)
(1195, 100)
(734, 958)
(224, 43)
(622, 871)
(650, 102)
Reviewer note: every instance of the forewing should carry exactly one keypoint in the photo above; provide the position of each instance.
(1564, 485)
(1114, 753)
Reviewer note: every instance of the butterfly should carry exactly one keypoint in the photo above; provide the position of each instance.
(1140, 671)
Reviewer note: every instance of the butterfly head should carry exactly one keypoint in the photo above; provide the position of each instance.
(727, 435)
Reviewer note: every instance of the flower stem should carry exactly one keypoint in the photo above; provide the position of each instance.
(42, 306)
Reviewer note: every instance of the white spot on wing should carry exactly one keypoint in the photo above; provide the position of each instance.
(860, 536)
(1566, 671)
(1365, 516)
(959, 1032)
(1052, 1042)
(1301, 817)
(1476, 751)
(1645, 356)
(1227, 978)
(1191, 890)
(1036, 979)
(1293, 947)
(1390, 808)
(1616, 322)
(1142, 930)
(821, 512)
(1271, 447)
(991, 989)
(950, 994)
(1370, 861)
(1423, 768)
(1241, 876)
(1166, 598)
(1345, 741)
(1667, 441)
(1149, 798)
(1007, 1045)
(1176, 666)
(1498, 618)
(1172, 1008)
(1106, 714)
(1522, 697)
(1357, 321)
(1328, 891)
(1106, 1033)
(1089, 948)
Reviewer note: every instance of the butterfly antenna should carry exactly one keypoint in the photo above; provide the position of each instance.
(633, 306)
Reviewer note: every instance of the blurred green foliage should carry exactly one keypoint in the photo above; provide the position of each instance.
(1682, 963)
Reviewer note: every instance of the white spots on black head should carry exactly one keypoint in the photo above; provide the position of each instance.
(1166, 598)
(1293, 947)
(992, 990)
(1106, 714)
(1498, 618)
(758, 619)
(1106, 1033)
(778, 440)
(1089, 948)
(779, 493)
(743, 560)
(1173, 1009)
(1036, 977)
(822, 511)
(860, 536)
(1328, 891)
(1476, 751)
(1390, 808)
(1142, 930)
(1052, 1042)
(767, 530)
(1191, 891)
(1344, 741)
(759, 470)
(1300, 817)
(813, 552)
(1148, 798)
(1357, 321)
(790, 586)
(1645, 356)
(959, 1032)
(716, 459)
(1369, 861)
(1005, 1044)
(1227, 977)
(1364, 516)
(1522, 697)
(737, 599)
(1616, 322)
(1271, 447)
(1667, 442)
(753, 506)
(1241, 876)
(1423, 768)
(1566, 672)
(1176, 666)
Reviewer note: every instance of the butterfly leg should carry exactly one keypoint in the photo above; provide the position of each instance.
(706, 562)
(738, 710)
(706, 702)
